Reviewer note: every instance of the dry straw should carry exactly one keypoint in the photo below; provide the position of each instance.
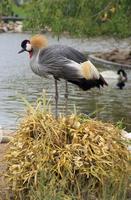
(72, 158)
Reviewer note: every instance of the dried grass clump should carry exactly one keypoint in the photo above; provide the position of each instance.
(72, 158)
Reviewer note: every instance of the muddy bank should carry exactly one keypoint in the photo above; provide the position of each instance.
(118, 56)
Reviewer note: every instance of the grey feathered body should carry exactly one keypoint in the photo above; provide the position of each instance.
(55, 60)
(61, 61)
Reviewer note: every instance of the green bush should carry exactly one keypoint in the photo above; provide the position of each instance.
(6, 7)
(81, 17)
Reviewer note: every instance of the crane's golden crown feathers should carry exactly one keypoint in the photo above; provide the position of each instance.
(39, 41)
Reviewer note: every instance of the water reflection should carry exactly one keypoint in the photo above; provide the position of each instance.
(17, 78)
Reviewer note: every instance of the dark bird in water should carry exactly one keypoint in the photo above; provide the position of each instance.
(62, 62)
(118, 77)
(122, 78)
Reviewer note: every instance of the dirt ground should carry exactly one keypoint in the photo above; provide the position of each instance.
(3, 149)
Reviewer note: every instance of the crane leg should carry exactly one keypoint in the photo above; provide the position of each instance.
(56, 99)
(66, 98)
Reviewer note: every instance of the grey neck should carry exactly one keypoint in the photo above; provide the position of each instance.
(35, 52)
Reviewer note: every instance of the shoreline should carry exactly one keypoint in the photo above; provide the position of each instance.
(3, 149)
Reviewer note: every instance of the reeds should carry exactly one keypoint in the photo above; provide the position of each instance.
(70, 158)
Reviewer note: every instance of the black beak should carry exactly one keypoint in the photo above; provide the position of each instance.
(22, 50)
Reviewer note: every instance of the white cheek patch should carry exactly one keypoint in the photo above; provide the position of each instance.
(28, 47)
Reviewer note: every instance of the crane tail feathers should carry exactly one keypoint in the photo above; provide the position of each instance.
(91, 77)
(87, 84)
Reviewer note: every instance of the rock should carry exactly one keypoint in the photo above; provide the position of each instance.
(11, 26)
(18, 27)
(4, 138)
(129, 148)
(5, 29)
(127, 136)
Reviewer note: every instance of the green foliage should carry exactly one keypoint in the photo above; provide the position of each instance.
(51, 191)
(6, 7)
(19, 10)
(9, 8)
(81, 17)
(109, 190)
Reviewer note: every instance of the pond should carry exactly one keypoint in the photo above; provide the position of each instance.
(16, 79)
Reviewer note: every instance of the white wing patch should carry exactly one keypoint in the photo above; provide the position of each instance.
(76, 67)
(74, 64)
(84, 70)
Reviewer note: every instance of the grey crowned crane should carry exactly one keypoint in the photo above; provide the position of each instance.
(62, 62)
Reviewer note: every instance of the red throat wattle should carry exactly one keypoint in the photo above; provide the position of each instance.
(30, 53)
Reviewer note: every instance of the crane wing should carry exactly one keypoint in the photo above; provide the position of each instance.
(67, 63)
(61, 61)
(61, 50)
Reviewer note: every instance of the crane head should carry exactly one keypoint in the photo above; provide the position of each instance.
(26, 46)
(36, 42)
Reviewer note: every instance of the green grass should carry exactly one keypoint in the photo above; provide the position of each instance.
(19, 10)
